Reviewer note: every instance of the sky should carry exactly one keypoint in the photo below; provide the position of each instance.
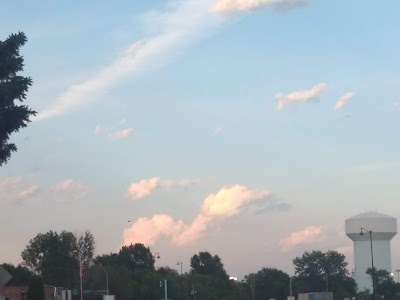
(249, 129)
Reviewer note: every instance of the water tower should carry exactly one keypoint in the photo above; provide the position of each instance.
(380, 229)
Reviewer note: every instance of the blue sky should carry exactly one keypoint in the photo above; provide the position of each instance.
(209, 124)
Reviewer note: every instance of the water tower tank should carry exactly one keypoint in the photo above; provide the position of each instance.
(383, 228)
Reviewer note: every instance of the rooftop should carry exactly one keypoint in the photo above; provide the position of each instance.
(370, 215)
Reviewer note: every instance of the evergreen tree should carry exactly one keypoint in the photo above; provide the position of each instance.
(13, 87)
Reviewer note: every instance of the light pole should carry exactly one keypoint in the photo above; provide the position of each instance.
(398, 275)
(180, 263)
(372, 260)
(104, 269)
(290, 286)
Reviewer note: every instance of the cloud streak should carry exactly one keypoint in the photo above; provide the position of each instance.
(235, 6)
(298, 97)
(376, 167)
(70, 189)
(186, 22)
(121, 134)
(342, 101)
(226, 203)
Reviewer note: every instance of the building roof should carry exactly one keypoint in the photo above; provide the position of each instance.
(372, 215)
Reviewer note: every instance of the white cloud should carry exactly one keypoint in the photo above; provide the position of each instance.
(227, 202)
(121, 134)
(70, 189)
(396, 105)
(143, 188)
(234, 6)
(342, 101)
(306, 236)
(300, 96)
(187, 21)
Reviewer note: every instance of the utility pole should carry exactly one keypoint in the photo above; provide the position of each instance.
(398, 275)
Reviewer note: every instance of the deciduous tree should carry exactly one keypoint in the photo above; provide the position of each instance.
(21, 275)
(269, 283)
(317, 271)
(56, 257)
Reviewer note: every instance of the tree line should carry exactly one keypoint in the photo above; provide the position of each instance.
(55, 259)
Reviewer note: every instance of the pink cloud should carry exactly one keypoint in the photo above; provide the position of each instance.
(235, 6)
(28, 193)
(227, 202)
(143, 188)
(306, 236)
(18, 189)
(342, 101)
(148, 230)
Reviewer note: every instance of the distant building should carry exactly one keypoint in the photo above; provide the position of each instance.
(383, 228)
(19, 293)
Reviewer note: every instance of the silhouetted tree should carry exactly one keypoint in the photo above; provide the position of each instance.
(35, 289)
(56, 256)
(13, 88)
(385, 286)
(317, 271)
(21, 275)
(269, 283)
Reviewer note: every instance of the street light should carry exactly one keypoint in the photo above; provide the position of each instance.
(372, 260)
(180, 263)
(104, 269)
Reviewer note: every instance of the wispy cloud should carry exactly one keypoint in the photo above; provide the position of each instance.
(28, 193)
(114, 132)
(374, 167)
(234, 6)
(98, 129)
(218, 130)
(396, 105)
(121, 134)
(309, 235)
(17, 189)
(9, 184)
(143, 188)
(300, 96)
(69, 190)
(342, 101)
(226, 203)
(186, 21)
